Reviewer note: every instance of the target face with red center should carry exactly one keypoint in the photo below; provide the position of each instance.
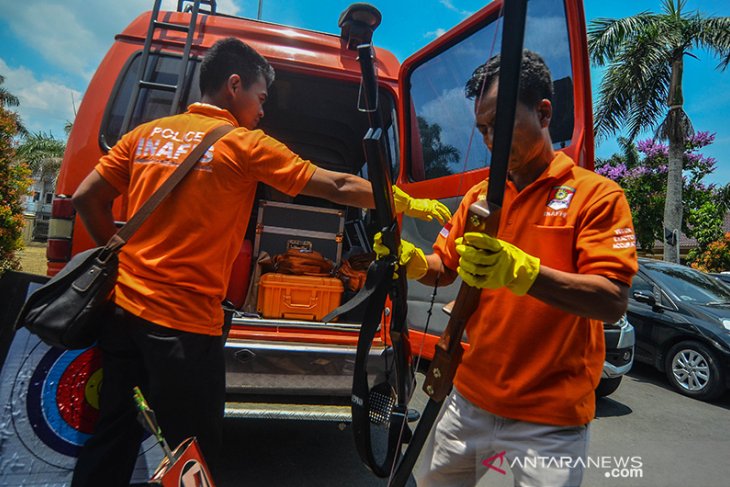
(49, 400)
(63, 398)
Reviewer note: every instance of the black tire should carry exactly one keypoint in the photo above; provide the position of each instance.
(608, 386)
(692, 369)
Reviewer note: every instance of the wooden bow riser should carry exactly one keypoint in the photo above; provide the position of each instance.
(483, 217)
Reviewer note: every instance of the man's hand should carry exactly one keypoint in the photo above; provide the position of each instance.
(489, 263)
(421, 208)
(411, 257)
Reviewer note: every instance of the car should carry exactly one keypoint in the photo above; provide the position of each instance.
(682, 322)
(620, 340)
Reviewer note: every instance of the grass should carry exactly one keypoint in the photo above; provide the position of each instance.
(33, 258)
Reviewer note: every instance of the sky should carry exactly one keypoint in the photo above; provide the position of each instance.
(49, 72)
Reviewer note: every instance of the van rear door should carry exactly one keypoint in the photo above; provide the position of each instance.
(443, 154)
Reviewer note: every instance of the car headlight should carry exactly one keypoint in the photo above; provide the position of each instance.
(726, 324)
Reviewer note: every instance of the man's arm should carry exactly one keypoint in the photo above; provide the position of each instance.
(436, 268)
(588, 295)
(93, 201)
(340, 188)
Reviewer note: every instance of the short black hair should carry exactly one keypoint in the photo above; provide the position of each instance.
(535, 80)
(232, 56)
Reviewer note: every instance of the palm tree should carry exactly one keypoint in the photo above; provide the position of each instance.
(43, 154)
(642, 86)
(436, 155)
(7, 99)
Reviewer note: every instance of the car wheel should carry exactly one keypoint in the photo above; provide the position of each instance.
(693, 370)
(608, 386)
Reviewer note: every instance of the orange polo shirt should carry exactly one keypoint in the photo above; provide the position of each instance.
(175, 268)
(528, 360)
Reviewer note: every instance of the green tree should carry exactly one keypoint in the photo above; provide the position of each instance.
(716, 258)
(642, 86)
(43, 154)
(14, 183)
(436, 155)
(641, 169)
(644, 183)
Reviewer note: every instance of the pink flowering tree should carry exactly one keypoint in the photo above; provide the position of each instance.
(641, 88)
(641, 170)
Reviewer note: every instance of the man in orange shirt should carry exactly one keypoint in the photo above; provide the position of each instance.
(561, 264)
(164, 331)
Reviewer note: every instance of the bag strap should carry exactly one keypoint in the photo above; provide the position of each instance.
(124, 233)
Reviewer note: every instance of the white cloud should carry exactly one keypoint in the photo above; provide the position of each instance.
(454, 113)
(74, 35)
(547, 36)
(435, 33)
(450, 5)
(44, 104)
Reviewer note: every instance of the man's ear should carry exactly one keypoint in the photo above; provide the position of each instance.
(233, 84)
(545, 112)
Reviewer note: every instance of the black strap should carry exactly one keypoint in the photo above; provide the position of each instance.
(124, 233)
(364, 293)
(361, 389)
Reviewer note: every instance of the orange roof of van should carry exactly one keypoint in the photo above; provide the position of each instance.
(282, 45)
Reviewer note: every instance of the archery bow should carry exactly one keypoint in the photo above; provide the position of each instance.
(483, 217)
(386, 403)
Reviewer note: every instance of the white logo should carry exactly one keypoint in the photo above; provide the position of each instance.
(193, 475)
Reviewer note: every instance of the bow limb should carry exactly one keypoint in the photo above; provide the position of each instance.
(483, 217)
(385, 404)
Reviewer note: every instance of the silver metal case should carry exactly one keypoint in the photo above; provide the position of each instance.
(281, 226)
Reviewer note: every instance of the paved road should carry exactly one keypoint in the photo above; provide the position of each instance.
(678, 441)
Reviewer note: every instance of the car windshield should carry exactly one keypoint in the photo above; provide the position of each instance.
(691, 285)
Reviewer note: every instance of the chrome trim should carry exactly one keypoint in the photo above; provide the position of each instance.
(293, 206)
(296, 347)
(627, 339)
(241, 320)
(299, 232)
(303, 412)
(628, 336)
(610, 371)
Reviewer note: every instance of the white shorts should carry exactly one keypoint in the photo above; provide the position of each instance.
(468, 443)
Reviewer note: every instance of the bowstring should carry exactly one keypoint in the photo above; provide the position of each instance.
(415, 369)
(499, 26)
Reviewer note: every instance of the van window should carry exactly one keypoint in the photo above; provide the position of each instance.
(314, 116)
(151, 104)
(443, 118)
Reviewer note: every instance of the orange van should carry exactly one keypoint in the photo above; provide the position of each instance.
(282, 360)
(292, 358)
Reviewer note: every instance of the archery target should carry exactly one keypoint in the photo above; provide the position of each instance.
(62, 402)
(50, 400)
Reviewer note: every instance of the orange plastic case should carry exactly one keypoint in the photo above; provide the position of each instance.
(298, 297)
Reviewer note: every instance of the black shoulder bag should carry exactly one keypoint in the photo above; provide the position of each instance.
(64, 312)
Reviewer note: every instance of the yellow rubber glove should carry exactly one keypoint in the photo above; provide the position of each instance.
(411, 257)
(421, 208)
(487, 262)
